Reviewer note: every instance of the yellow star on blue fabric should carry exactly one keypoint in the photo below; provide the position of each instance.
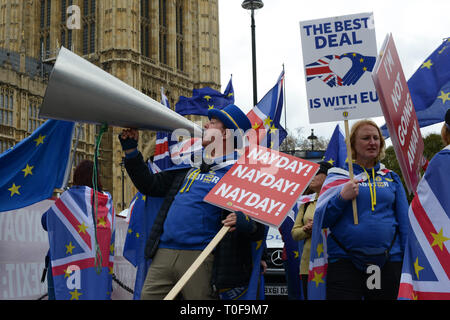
(445, 96)
(75, 294)
(272, 128)
(417, 267)
(28, 170)
(267, 121)
(39, 140)
(318, 278)
(319, 249)
(69, 248)
(14, 189)
(427, 64)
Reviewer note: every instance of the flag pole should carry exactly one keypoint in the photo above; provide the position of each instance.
(350, 169)
(197, 263)
(284, 99)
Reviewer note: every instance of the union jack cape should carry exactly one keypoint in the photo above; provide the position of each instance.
(80, 271)
(426, 264)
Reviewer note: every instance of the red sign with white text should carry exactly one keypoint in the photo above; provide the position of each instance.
(264, 184)
(399, 112)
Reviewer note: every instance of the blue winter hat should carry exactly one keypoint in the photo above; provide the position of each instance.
(231, 116)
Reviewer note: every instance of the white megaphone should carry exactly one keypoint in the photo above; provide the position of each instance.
(80, 91)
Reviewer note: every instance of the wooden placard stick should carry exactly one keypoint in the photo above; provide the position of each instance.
(350, 169)
(189, 272)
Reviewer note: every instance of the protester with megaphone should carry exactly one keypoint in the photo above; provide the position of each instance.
(185, 223)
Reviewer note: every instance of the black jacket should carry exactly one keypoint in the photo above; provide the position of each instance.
(164, 184)
(233, 255)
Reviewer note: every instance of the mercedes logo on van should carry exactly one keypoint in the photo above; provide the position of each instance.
(276, 258)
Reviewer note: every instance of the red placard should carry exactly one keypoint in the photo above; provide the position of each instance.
(264, 184)
(399, 112)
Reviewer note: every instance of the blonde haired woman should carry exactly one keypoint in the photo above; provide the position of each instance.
(380, 236)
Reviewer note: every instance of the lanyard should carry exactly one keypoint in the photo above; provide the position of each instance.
(373, 193)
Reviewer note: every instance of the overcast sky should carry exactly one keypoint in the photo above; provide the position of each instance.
(418, 28)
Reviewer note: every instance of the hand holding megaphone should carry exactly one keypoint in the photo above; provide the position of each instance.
(129, 139)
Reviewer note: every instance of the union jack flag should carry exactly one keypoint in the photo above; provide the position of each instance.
(318, 263)
(426, 264)
(80, 271)
(320, 69)
(181, 152)
(161, 158)
(265, 117)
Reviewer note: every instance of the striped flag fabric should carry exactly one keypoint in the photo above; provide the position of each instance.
(321, 69)
(426, 264)
(318, 263)
(161, 158)
(75, 231)
(265, 117)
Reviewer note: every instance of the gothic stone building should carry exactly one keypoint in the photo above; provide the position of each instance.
(148, 44)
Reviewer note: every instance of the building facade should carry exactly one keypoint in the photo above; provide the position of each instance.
(148, 44)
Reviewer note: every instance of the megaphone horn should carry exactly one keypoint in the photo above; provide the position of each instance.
(80, 91)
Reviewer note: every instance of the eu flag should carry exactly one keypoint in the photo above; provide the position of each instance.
(143, 211)
(293, 256)
(336, 153)
(429, 87)
(204, 99)
(32, 169)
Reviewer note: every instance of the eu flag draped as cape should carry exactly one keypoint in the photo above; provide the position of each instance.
(32, 169)
(430, 87)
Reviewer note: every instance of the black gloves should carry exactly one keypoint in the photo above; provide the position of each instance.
(128, 143)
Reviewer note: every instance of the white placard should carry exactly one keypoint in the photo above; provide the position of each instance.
(339, 54)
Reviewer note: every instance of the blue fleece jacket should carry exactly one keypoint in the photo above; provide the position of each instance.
(192, 223)
(376, 228)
